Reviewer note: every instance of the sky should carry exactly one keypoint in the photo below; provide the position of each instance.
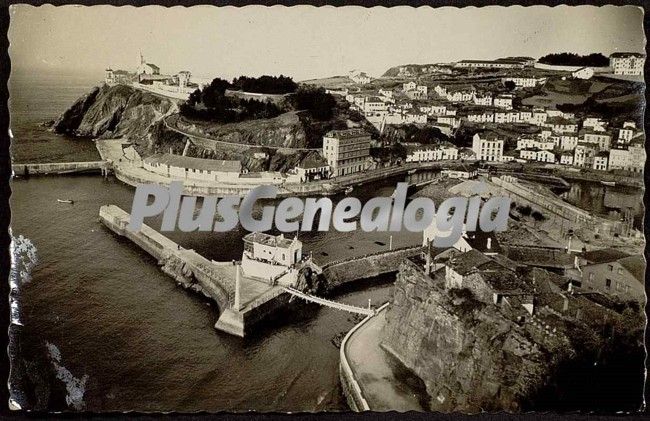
(305, 41)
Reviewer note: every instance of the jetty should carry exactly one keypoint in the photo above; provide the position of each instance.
(246, 291)
(242, 300)
(57, 168)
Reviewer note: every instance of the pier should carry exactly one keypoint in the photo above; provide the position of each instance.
(242, 300)
(60, 168)
(246, 292)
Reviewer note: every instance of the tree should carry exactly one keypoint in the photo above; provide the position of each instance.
(572, 59)
(320, 104)
(509, 85)
(537, 216)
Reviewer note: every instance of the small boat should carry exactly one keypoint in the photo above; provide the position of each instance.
(349, 190)
(65, 201)
(608, 183)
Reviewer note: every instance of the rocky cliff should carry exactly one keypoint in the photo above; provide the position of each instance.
(473, 358)
(153, 124)
(114, 111)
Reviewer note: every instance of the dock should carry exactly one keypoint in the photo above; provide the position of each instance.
(249, 291)
(60, 168)
(242, 301)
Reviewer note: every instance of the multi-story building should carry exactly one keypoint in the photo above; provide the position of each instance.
(530, 143)
(600, 161)
(524, 82)
(626, 133)
(561, 124)
(619, 159)
(602, 139)
(503, 101)
(487, 147)
(637, 155)
(432, 153)
(484, 117)
(484, 99)
(451, 120)
(614, 273)
(409, 86)
(568, 141)
(583, 155)
(566, 158)
(346, 151)
(536, 154)
(596, 124)
(491, 64)
(627, 63)
(373, 105)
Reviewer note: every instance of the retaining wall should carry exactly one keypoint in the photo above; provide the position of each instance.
(339, 273)
(351, 389)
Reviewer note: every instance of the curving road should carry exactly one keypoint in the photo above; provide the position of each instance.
(173, 127)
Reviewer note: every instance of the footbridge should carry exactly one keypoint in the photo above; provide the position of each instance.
(329, 303)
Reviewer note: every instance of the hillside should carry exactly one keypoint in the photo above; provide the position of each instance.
(114, 111)
(153, 124)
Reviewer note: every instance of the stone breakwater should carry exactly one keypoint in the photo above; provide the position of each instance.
(215, 280)
(187, 267)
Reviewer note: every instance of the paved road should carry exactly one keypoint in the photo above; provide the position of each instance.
(375, 370)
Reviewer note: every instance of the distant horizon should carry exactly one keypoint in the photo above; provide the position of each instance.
(306, 42)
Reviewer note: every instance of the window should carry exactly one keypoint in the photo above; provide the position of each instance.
(608, 283)
(611, 268)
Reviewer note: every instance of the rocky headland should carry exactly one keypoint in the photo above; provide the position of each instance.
(153, 124)
(474, 356)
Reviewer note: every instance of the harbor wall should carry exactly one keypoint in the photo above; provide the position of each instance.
(58, 168)
(367, 266)
(187, 267)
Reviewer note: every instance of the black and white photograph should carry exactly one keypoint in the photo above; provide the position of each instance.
(288, 209)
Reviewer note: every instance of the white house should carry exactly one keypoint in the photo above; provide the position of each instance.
(409, 86)
(602, 139)
(432, 153)
(600, 161)
(619, 159)
(487, 146)
(583, 73)
(566, 158)
(503, 101)
(187, 168)
(484, 99)
(267, 256)
(627, 63)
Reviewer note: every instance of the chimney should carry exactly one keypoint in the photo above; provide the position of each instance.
(489, 243)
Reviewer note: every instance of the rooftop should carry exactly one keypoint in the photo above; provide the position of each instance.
(269, 240)
(604, 255)
(347, 133)
(194, 163)
(626, 55)
(635, 265)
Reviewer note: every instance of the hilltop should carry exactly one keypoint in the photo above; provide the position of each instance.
(260, 140)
